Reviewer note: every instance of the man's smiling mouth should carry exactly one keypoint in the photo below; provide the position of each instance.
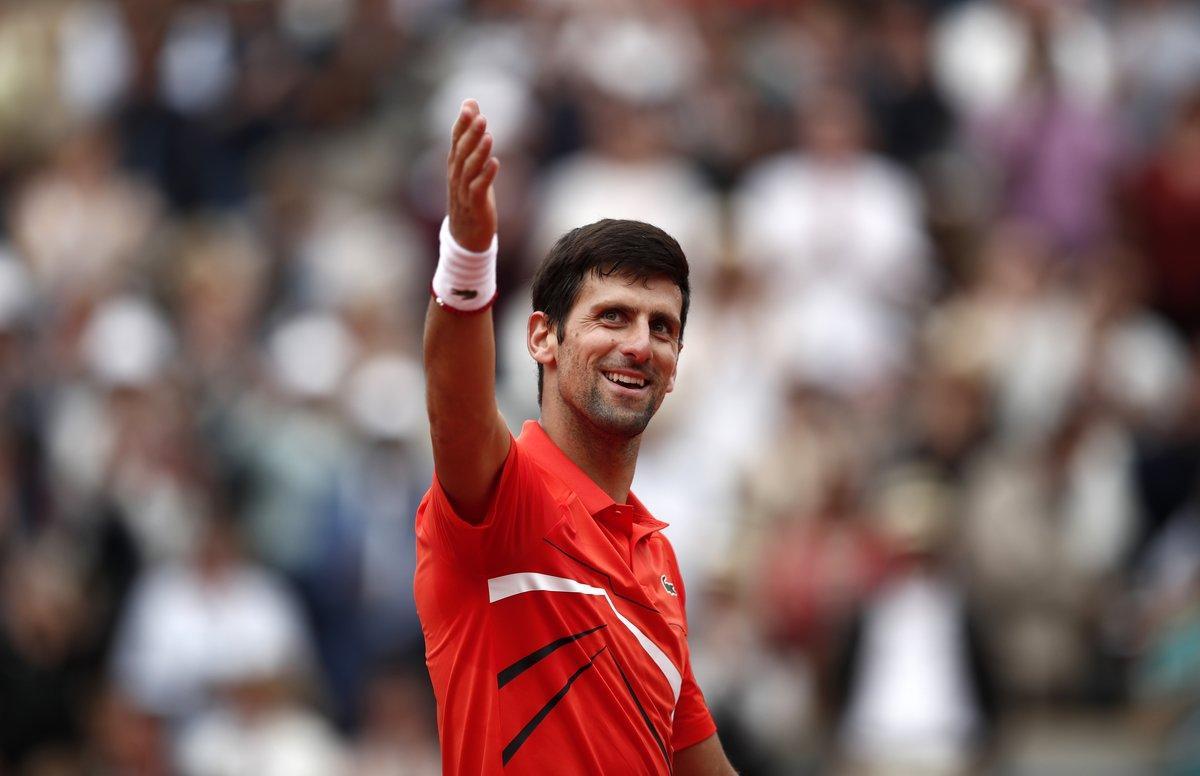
(624, 380)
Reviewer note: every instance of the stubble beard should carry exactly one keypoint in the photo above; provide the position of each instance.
(606, 415)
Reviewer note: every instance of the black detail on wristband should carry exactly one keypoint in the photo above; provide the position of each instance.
(442, 303)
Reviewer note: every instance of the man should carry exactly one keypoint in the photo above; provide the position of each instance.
(552, 606)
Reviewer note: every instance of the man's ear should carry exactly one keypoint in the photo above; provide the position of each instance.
(540, 339)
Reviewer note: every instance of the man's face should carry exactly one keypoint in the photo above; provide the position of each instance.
(616, 360)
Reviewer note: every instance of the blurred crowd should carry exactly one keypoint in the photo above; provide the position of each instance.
(932, 465)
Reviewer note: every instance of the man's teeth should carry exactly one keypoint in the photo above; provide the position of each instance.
(632, 382)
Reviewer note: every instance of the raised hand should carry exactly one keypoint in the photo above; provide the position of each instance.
(471, 169)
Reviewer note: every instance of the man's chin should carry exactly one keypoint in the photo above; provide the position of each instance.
(624, 417)
(623, 421)
(630, 428)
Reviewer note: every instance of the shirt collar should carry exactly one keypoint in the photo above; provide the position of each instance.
(538, 443)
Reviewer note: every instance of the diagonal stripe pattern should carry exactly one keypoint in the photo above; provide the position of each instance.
(532, 724)
(532, 659)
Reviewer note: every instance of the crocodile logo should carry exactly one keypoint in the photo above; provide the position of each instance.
(668, 585)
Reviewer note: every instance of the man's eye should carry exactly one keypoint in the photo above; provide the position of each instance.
(611, 315)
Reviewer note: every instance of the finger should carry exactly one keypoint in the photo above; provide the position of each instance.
(468, 111)
(465, 145)
(473, 163)
(484, 180)
(469, 126)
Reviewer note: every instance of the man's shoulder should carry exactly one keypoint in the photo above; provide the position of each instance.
(542, 476)
(521, 475)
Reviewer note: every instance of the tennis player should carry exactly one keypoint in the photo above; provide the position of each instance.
(552, 605)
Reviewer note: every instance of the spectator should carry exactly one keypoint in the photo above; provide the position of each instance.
(1164, 210)
(917, 690)
(983, 49)
(399, 729)
(1158, 62)
(199, 626)
(1053, 152)
(45, 655)
(836, 229)
(123, 738)
(913, 120)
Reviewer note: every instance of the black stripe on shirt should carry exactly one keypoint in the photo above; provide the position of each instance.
(641, 710)
(532, 724)
(530, 660)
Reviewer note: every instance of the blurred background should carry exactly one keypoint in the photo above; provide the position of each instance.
(932, 467)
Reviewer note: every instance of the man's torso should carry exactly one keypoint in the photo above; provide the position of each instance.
(558, 644)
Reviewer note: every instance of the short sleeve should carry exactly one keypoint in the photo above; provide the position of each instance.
(519, 513)
(693, 722)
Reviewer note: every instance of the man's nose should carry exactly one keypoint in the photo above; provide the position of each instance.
(636, 345)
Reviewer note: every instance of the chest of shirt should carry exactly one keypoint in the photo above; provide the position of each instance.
(578, 590)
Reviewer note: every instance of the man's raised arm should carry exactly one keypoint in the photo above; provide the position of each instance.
(470, 439)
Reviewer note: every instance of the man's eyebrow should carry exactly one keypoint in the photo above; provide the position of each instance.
(603, 306)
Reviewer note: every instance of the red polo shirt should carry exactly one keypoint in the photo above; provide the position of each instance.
(555, 631)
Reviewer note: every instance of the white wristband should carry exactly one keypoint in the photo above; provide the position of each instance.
(464, 281)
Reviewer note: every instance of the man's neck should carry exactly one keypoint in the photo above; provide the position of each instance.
(608, 460)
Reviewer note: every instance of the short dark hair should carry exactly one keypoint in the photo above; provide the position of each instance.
(631, 249)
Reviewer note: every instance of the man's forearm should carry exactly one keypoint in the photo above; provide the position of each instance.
(706, 758)
(469, 438)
